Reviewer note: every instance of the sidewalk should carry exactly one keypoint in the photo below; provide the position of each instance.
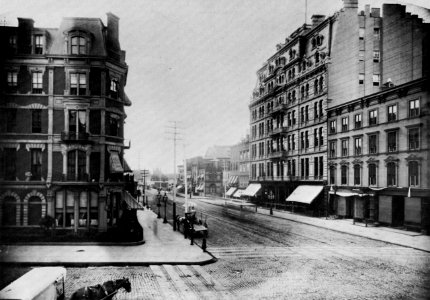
(162, 246)
(386, 234)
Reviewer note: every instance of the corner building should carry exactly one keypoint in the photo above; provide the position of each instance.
(288, 118)
(62, 130)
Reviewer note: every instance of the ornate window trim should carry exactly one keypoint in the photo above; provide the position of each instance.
(17, 146)
(77, 32)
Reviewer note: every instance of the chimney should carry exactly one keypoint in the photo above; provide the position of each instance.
(317, 19)
(350, 4)
(113, 31)
(25, 28)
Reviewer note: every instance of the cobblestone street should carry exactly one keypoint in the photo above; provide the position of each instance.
(260, 257)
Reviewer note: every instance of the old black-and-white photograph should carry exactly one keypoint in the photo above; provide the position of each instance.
(229, 149)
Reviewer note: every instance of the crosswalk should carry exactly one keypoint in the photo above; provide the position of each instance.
(188, 282)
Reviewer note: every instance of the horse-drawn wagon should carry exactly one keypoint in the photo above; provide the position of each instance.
(190, 225)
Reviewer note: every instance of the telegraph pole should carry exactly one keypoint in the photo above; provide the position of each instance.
(175, 137)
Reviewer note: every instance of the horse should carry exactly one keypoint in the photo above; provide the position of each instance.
(103, 291)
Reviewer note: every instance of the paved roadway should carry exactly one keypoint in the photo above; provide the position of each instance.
(261, 257)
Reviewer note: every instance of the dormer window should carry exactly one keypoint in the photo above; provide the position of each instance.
(38, 44)
(78, 45)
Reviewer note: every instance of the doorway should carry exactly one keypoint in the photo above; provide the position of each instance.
(398, 211)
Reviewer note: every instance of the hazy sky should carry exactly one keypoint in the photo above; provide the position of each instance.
(191, 61)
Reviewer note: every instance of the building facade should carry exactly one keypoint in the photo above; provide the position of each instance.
(238, 176)
(288, 113)
(62, 139)
(378, 116)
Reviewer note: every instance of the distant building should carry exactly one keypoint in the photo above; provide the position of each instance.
(238, 175)
(62, 129)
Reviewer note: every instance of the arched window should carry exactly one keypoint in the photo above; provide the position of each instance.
(9, 210)
(413, 173)
(391, 174)
(344, 175)
(34, 210)
(357, 174)
(78, 45)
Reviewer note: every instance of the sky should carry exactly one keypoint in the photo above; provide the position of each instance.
(192, 62)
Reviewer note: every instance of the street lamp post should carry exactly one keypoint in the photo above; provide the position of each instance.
(165, 208)
(159, 205)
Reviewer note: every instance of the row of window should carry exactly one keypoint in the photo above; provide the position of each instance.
(78, 44)
(78, 83)
(77, 120)
(392, 116)
(288, 168)
(373, 176)
(392, 143)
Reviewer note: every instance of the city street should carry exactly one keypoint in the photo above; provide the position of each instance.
(264, 257)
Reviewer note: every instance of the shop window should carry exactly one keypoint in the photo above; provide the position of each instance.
(391, 174)
(36, 164)
(36, 83)
(36, 121)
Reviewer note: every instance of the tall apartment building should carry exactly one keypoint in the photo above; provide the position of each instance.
(378, 116)
(288, 116)
(62, 129)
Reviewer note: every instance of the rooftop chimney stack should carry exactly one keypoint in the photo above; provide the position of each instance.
(113, 31)
(317, 19)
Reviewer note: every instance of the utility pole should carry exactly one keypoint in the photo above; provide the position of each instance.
(175, 137)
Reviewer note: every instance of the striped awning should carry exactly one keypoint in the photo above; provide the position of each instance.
(115, 163)
(238, 193)
(252, 189)
(232, 180)
(230, 191)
